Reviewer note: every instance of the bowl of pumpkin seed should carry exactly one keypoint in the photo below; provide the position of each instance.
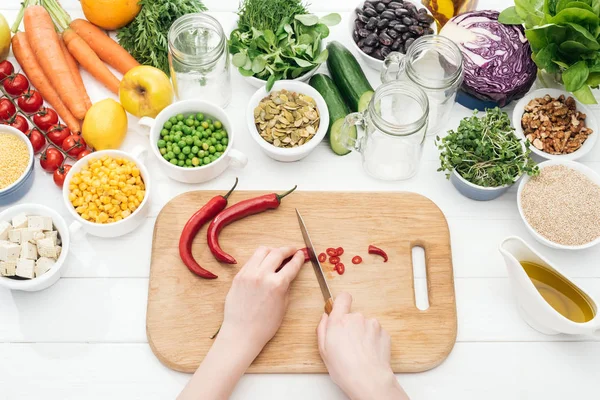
(288, 122)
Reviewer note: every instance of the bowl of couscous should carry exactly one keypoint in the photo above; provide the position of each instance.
(107, 193)
(16, 165)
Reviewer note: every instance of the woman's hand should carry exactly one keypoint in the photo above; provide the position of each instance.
(356, 352)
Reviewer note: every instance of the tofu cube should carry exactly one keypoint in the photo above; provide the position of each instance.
(4, 228)
(38, 222)
(9, 251)
(28, 235)
(46, 248)
(14, 235)
(25, 268)
(43, 265)
(29, 251)
(8, 268)
(58, 250)
(52, 235)
(19, 221)
(37, 236)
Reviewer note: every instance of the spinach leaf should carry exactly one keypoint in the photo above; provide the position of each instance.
(580, 5)
(593, 79)
(510, 17)
(579, 34)
(585, 95)
(550, 7)
(541, 36)
(575, 76)
(576, 16)
(544, 59)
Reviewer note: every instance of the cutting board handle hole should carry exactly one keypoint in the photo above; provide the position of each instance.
(420, 278)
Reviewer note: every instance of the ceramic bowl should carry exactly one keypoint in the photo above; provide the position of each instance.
(590, 121)
(476, 192)
(199, 174)
(50, 277)
(372, 61)
(21, 186)
(590, 173)
(258, 83)
(114, 229)
(296, 153)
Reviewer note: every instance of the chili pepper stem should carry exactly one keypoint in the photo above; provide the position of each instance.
(232, 189)
(281, 196)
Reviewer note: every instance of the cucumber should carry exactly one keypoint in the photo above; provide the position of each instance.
(349, 77)
(337, 111)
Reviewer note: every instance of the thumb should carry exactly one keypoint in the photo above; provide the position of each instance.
(341, 305)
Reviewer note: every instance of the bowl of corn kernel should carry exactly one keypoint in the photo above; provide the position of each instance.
(107, 193)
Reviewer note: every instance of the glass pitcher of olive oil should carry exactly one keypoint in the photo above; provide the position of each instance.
(443, 10)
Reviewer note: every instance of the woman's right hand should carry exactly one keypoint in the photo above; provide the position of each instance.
(356, 352)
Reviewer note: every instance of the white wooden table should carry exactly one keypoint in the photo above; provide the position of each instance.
(84, 338)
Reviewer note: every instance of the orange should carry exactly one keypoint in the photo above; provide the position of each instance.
(110, 14)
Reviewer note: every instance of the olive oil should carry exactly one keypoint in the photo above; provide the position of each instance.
(443, 10)
(561, 294)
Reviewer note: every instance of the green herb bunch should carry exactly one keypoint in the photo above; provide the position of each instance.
(485, 151)
(146, 37)
(278, 39)
(564, 38)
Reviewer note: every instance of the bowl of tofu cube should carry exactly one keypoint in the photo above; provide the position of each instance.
(34, 244)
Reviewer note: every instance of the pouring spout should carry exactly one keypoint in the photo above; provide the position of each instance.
(514, 249)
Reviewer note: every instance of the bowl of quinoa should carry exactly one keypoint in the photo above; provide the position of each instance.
(16, 164)
(561, 206)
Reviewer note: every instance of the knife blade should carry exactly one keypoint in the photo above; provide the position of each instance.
(316, 265)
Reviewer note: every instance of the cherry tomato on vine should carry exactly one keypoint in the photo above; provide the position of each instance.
(37, 140)
(19, 122)
(60, 174)
(6, 69)
(58, 133)
(83, 154)
(7, 109)
(15, 84)
(51, 159)
(74, 145)
(45, 118)
(30, 101)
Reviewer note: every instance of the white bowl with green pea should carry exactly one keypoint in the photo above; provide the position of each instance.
(193, 141)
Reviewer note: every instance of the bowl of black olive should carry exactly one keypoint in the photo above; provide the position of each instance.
(379, 27)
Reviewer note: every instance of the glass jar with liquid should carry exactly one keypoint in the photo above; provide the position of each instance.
(443, 10)
(199, 60)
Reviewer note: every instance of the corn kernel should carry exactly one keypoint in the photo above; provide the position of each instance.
(76, 180)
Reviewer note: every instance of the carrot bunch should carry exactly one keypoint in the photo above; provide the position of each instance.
(50, 58)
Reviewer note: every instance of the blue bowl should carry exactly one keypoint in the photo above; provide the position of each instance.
(473, 103)
(476, 192)
(22, 185)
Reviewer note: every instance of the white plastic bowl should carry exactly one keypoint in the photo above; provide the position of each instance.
(296, 153)
(590, 173)
(113, 229)
(50, 277)
(590, 122)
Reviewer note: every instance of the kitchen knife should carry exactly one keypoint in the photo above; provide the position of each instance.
(316, 266)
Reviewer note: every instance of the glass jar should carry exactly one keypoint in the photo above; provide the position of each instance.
(199, 60)
(393, 131)
(435, 64)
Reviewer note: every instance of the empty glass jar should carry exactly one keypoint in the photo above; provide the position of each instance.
(199, 60)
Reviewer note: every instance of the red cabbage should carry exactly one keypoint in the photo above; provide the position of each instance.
(497, 57)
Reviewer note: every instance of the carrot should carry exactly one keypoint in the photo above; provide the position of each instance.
(89, 60)
(44, 42)
(26, 59)
(107, 49)
(76, 74)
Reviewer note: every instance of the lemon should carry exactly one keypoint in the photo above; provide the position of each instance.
(4, 38)
(105, 125)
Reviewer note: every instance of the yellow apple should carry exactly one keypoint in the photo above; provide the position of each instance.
(145, 91)
(4, 38)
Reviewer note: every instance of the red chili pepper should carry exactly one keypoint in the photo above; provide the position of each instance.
(331, 252)
(237, 212)
(378, 251)
(334, 260)
(322, 257)
(356, 260)
(194, 224)
(339, 251)
(287, 260)
(340, 268)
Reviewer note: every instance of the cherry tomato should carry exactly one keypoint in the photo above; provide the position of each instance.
(58, 133)
(339, 251)
(334, 260)
(83, 154)
(37, 140)
(30, 102)
(19, 122)
(331, 252)
(45, 118)
(322, 257)
(15, 84)
(51, 159)
(7, 109)
(74, 145)
(6, 69)
(60, 174)
(356, 260)
(340, 268)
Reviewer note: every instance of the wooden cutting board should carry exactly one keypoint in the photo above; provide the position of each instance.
(185, 310)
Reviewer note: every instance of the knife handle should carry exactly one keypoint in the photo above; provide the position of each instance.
(329, 306)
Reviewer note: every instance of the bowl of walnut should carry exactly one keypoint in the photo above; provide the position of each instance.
(557, 126)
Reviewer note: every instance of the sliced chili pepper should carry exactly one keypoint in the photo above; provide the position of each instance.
(287, 260)
(191, 228)
(356, 260)
(340, 268)
(376, 250)
(236, 212)
(322, 257)
(334, 260)
(331, 252)
(339, 251)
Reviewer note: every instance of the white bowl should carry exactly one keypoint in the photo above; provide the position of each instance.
(50, 277)
(590, 122)
(296, 153)
(590, 173)
(372, 61)
(18, 188)
(258, 83)
(198, 174)
(113, 229)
